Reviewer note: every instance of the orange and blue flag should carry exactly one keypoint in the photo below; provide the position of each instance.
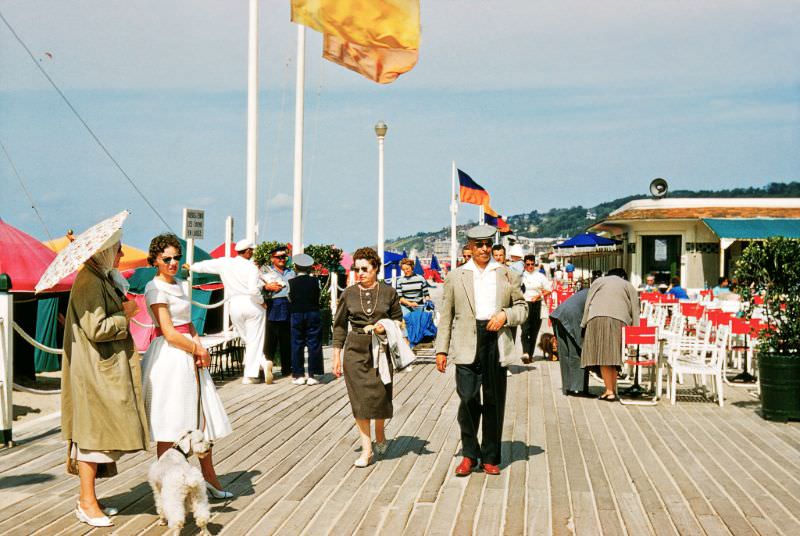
(491, 217)
(470, 191)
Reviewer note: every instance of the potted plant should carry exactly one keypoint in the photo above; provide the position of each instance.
(327, 259)
(770, 269)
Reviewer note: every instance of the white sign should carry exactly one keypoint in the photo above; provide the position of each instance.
(193, 222)
(660, 250)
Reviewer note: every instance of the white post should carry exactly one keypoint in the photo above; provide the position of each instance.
(480, 215)
(380, 130)
(6, 366)
(453, 214)
(226, 308)
(252, 123)
(334, 286)
(189, 250)
(297, 214)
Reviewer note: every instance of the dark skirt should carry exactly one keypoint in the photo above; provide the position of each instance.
(602, 343)
(369, 397)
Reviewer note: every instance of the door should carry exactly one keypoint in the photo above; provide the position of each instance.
(661, 256)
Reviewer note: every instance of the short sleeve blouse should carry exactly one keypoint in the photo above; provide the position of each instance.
(174, 295)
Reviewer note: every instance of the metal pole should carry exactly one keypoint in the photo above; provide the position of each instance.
(380, 205)
(6, 366)
(297, 214)
(252, 123)
(453, 217)
(226, 308)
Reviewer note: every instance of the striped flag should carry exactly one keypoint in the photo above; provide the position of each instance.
(470, 191)
(491, 217)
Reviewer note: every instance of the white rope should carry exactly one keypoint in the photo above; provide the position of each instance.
(33, 341)
(213, 306)
(18, 387)
(146, 326)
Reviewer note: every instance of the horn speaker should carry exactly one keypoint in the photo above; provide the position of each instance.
(659, 188)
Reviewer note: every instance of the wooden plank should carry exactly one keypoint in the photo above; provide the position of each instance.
(538, 498)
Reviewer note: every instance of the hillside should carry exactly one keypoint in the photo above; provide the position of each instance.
(565, 222)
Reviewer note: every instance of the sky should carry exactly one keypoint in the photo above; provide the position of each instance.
(544, 103)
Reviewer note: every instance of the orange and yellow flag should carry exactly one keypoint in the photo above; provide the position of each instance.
(378, 39)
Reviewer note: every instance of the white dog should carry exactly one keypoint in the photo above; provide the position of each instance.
(177, 484)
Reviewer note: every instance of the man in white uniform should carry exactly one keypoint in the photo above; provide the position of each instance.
(243, 283)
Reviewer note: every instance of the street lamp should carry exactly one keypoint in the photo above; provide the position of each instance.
(380, 131)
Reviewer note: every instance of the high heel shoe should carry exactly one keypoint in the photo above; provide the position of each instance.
(218, 493)
(363, 462)
(102, 521)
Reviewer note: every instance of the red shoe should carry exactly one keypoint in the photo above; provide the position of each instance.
(490, 469)
(465, 467)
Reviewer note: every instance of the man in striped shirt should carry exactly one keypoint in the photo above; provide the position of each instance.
(412, 288)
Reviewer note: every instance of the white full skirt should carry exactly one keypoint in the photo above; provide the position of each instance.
(170, 395)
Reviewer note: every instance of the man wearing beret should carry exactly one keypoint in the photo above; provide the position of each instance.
(481, 300)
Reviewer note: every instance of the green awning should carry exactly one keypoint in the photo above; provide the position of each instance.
(755, 228)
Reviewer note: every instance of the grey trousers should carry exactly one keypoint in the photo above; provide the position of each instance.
(573, 377)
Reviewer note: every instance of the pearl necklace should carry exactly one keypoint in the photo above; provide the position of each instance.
(368, 310)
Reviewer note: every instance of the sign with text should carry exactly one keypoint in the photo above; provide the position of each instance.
(193, 222)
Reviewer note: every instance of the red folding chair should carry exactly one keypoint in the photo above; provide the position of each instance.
(639, 336)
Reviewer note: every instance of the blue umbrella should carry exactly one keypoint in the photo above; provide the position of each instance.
(586, 240)
(391, 263)
(418, 267)
(435, 263)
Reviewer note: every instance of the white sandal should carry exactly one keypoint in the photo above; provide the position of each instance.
(102, 521)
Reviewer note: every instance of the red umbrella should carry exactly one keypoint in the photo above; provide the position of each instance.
(219, 251)
(25, 259)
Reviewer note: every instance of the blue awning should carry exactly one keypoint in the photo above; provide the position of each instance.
(754, 228)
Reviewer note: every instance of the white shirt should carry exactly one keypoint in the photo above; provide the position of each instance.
(174, 296)
(240, 276)
(484, 283)
(536, 283)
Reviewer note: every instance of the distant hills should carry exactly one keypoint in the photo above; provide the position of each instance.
(565, 222)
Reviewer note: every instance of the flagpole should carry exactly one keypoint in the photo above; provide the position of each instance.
(297, 214)
(480, 214)
(252, 123)
(453, 214)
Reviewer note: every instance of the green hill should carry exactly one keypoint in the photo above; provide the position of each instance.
(565, 222)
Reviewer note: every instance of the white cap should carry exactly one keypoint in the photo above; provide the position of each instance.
(244, 244)
(516, 251)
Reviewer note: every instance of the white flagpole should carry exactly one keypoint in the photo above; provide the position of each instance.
(453, 214)
(226, 308)
(252, 124)
(297, 215)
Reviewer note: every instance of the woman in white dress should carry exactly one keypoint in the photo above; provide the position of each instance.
(169, 377)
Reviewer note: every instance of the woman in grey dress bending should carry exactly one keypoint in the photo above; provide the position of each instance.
(363, 305)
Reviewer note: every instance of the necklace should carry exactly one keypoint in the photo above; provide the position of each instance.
(370, 308)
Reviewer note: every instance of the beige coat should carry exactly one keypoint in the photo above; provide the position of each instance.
(613, 297)
(457, 336)
(101, 397)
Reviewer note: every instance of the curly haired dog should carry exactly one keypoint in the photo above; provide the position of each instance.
(178, 485)
(549, 346)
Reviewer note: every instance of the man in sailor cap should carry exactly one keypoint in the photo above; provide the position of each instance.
(305, 322)
(481, 300)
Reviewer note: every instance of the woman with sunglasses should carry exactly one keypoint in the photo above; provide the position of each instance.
(175, 364)
(364, 305)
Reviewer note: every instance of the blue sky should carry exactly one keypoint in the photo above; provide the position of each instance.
(546, 104)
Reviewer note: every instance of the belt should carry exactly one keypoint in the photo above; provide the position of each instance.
(359, 331)
(183, 328)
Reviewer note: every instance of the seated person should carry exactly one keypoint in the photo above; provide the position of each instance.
(723, 287)
(650, 284)
(411, 288)
(677, 290)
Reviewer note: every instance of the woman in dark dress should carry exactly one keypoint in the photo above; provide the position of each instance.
(363, 305)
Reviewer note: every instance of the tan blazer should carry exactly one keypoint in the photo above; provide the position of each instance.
(457, 336)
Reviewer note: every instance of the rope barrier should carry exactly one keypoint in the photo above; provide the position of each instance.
(33, 342)
(213, 306)
(18, 387)
(146, 326)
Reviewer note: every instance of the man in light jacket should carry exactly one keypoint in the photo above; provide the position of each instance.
(243, 283)
(481, 299)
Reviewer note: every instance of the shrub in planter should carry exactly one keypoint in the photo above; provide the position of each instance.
(771, 269)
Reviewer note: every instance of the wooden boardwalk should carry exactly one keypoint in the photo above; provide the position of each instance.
(570, 466)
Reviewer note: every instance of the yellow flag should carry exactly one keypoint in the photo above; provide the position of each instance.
(378, 39)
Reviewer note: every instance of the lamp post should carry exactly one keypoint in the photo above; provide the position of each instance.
(380, 131)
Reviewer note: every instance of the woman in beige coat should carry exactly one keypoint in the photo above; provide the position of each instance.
(102, 410)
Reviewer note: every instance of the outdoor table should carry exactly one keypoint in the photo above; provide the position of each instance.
(220, 347)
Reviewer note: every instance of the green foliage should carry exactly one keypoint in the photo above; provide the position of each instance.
(326, 256)
(261, 254)
(771, 268)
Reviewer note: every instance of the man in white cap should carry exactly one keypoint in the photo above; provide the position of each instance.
(243, 284)
(481, 299)
(516, 253)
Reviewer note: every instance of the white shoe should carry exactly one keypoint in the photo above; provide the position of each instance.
(268, 376)
(299, 381)
(218, 493)
(508, 372)
(92, 521)
(311, 380)
(363, 462)
(109, 511)
(248, 381)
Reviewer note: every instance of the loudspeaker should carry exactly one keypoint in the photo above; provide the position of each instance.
(659, 188)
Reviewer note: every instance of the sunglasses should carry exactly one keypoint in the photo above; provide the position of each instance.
(168, 260)
(279, 256)
(362, 269)
(484, 244)
(530, 264)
